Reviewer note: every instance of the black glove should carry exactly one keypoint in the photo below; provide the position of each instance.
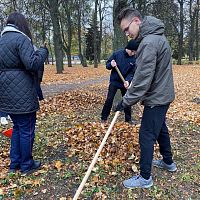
(120, 106)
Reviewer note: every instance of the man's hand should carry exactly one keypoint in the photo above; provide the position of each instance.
(120, 106)
(126, 84)
(113, 63)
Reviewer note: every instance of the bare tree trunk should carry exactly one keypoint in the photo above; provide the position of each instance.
(50, 50)
(44, 31)
(197, 31)
(191, 35)
(67, 45)
(81, 56)
(51, 53)
(43, 26)
(100, 31)
(54, 13)
(119, 39)
(101, 18)
(180, 36)
(14, 3)
(95, 36)
(69, 37)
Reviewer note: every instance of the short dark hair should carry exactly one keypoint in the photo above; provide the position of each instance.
(20, 22)
(128, 13)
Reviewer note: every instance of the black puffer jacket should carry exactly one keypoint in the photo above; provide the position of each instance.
(18, 63)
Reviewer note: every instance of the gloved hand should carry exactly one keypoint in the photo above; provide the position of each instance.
(120, 106)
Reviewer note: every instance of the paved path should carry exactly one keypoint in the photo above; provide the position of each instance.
(53, 89)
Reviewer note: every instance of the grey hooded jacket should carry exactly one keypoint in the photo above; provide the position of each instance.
(153, 80)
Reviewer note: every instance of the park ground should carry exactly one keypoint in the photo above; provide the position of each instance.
(68, 134)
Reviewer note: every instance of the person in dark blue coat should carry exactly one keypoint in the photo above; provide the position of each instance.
(19, 63)
(124, 59)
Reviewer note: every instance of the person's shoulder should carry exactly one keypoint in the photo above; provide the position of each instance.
(149, 40)
(12, 34)
(21, 37)
(15, 37)
(23, 40)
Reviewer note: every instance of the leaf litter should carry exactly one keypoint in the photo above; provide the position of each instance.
(69, 133)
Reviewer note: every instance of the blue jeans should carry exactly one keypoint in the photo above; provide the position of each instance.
(153, 128)
(112, 90)
(22, 140)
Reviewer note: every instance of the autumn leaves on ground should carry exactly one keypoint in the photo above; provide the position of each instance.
(68, 133)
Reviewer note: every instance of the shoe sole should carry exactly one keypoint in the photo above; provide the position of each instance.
(30, 171)
(165, 168)
(138, 186)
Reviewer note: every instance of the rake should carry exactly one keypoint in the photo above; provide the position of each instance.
(96, 156)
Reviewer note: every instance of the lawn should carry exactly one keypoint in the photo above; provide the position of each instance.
(69, 132)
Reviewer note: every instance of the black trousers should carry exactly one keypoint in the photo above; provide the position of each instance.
(112, 90)
(153, 128)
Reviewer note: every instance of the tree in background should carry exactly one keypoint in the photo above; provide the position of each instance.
(96, 36)
(141, 5)
(53, 8)
(193, 18)
(90, 53)
(119, 39)
(167, 11)
(197, 32)
(65, 25)
(83, 9)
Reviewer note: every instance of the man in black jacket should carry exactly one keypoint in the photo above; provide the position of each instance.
(124, 59)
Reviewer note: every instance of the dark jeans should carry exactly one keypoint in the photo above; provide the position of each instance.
(112, 90)
(153, 128)
(22, 140)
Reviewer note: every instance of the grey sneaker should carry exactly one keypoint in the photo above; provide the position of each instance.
(138, 182)
(161, 164)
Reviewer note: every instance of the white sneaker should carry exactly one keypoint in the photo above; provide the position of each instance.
(4, 121)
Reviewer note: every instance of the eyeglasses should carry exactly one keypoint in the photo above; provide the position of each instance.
(127, 28)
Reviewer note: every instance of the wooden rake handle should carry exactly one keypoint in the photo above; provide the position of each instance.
(120, 74)
(96, 156)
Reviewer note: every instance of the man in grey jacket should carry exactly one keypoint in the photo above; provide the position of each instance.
(153, 85)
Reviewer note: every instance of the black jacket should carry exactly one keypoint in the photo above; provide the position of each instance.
(18, 63)
(126, 65)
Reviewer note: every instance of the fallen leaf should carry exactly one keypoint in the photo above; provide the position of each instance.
(58, 165)
(134, 168)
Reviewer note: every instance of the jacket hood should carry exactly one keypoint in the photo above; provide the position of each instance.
(11, 28)
(151, 25)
